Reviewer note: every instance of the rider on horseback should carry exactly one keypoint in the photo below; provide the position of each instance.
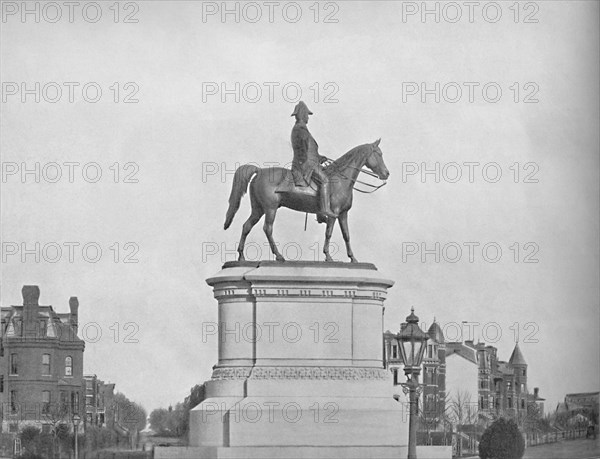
(307, 161)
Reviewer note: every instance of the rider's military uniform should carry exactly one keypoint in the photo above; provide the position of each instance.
(307, 161)
(306, 155)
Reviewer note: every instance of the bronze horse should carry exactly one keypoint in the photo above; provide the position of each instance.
(273, 187)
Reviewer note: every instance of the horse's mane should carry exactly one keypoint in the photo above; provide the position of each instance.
(346, 158)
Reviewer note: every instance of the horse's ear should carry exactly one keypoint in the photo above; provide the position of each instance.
(376, 144)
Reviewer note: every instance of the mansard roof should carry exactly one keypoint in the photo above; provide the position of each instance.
(517, 357)
(465, 352)
(58, 325)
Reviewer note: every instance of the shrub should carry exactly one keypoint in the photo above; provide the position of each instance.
(29, 455)
(502, 440)
(29, 436)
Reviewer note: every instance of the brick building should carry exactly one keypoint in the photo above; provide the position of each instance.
(99, 402)
(41, 364)
(494, 387)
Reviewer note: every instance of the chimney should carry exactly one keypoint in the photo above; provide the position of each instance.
(74, 306)
(31, 297)
(536, 392)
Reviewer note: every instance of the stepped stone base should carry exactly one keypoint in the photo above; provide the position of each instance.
(303, 452)
(300, 367)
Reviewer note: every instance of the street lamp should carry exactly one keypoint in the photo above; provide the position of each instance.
(412, 346)
(76, 419)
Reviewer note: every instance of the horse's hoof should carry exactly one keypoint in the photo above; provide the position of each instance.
(328, 259)
(241, 258)
(353, 260)
(279, 258)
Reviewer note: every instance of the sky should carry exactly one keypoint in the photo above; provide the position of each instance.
(140, 125)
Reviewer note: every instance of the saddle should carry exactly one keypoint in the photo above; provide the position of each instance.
(297, 185)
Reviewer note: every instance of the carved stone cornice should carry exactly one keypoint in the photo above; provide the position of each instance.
(300, 373)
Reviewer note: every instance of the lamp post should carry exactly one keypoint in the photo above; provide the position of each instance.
(76, 419)
(412, 346)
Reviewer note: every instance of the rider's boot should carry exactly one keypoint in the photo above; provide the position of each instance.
(325, 205)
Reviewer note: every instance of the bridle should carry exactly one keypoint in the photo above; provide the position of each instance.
(329, 161)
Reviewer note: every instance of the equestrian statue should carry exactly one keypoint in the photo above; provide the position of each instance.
(308, 187)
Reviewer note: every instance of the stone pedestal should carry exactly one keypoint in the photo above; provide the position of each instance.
(300, 366)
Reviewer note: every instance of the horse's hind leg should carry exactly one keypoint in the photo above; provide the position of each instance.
(268, 227)
(255, 216)
(328, 233)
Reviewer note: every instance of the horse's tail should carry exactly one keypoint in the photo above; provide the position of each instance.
(240, 184)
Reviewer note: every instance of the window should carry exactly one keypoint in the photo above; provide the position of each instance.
(46, 364)
(430, 351)
(1, 383)
(432, 377)
(394, 351)
(510, 402)
(13, 401)
(75, 402)
(18, 327)
(430, 403)
(69, 366)
(45, 401)
(508, 385)
(14, 364)
(395, 377)
(63, 400)
(523, 387)
(522, 403)
(43, 328)
(524, 372)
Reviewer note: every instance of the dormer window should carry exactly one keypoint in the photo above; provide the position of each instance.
(43, 328)
(18, 327)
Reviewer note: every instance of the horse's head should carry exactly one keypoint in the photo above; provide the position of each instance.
(375, 161)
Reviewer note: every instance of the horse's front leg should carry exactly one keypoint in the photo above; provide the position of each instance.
(346, 234)
(328, 233)
(268, 227)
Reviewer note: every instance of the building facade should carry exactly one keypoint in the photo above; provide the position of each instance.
(41, 364)
(464, 380)
(579, 406)
(99, 402)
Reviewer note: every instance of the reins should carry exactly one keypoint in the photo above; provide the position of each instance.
(329, 161)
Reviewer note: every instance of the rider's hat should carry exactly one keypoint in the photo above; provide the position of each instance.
(300, 107)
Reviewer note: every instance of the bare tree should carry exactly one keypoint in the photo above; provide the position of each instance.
(462, 410)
